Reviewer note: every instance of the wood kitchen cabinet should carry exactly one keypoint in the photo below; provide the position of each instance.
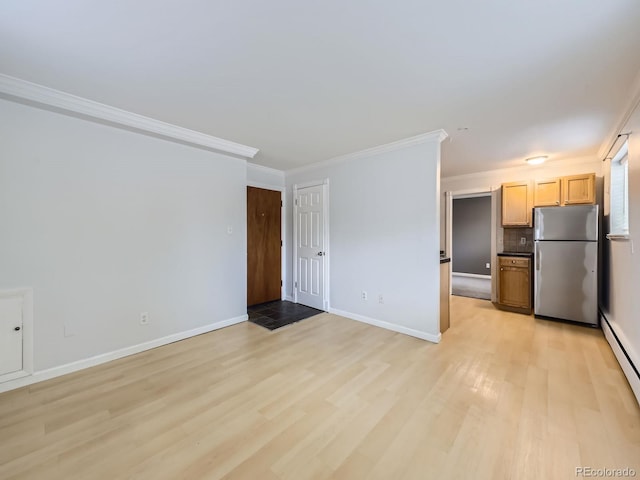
(546, 193)
(517, 202)
(518, 198)
(579, 189)
(514, 283)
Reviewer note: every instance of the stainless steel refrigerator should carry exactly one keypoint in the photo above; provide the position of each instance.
(566, 263)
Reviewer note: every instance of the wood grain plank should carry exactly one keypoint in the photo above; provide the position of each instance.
(502, 396)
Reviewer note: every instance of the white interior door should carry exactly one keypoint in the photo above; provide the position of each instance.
(10, 334)
(310, 251)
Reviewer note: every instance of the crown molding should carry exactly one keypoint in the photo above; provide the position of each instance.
(524, 168)
(630, 107)
(436, 135)
(269, 170)
(12, 87)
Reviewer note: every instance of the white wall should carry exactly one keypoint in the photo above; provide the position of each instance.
(621, 302)
(383, 236)
(105, 224)
(264, 177)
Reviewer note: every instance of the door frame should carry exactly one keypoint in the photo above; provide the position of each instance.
(27, 332)
(325, 222)
(283, 231)
(470, 193)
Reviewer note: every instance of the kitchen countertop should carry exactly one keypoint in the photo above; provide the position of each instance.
(516, 254)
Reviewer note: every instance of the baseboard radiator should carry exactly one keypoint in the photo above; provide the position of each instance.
(629, 368)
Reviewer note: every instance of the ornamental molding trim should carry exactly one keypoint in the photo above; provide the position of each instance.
(12, 88)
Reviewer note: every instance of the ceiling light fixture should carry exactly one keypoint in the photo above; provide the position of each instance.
(536, 160)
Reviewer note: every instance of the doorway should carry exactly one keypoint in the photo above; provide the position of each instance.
(488, 278)
(471, 245)
(264, 245)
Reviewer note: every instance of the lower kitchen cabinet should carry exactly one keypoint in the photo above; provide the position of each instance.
(514, 283)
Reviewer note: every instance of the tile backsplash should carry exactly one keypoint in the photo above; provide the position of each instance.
(512, 238)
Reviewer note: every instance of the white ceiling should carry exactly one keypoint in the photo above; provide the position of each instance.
(308, 81)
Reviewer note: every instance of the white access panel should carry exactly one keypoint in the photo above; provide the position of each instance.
(10, 334)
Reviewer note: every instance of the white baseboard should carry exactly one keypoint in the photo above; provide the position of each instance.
(387, 325)
(289, 298)
(625, 364)
(470, 275)
(124, 352)
(13, 376)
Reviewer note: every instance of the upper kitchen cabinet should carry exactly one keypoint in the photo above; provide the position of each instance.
(546, 193)
(517, 202)
(579, 189)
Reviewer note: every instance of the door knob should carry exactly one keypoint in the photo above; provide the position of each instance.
(17, 329)
(320, 254)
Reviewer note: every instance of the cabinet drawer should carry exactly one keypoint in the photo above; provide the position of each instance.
(513, 262)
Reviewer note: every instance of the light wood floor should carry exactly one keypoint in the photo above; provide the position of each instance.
(503, 396)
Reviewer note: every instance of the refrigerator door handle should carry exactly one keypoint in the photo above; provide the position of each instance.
(538, 255)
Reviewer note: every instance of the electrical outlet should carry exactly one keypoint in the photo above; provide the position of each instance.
(144, 318)
(380, 298)
(364, 295)
(523, 240)
(487, 265)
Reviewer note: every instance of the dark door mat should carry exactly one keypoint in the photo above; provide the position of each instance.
(279, 313)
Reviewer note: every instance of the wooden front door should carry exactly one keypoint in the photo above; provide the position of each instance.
(263, 245)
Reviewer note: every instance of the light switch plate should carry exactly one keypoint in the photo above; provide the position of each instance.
(69, 331)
